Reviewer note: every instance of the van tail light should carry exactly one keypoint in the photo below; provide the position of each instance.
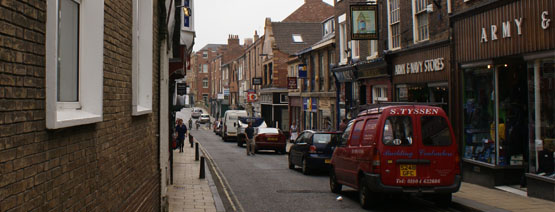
(457, 164)
(376, 162)
(312, 149)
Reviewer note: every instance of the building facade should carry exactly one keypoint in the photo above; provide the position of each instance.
(88, 139)
(505, 53)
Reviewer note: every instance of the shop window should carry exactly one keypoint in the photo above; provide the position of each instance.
(542, 116)
(435, 131)
(397, 131)
(379, 94)
(394, 18)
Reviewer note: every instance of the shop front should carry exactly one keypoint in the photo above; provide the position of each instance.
(374, 81)
(422, 75)
(326, 114)
(295, 108)
(310, 113)
(505, 107)
(274, 107)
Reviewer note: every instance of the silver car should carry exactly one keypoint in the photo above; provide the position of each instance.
(204, 118)
(196, 113)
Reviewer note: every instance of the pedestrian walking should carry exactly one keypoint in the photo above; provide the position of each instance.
(294, 132)
(181, 130)
(250, 139)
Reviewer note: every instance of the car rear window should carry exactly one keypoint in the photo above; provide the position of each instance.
(397, 131)
(323, 138)
(268, 130)
(435, 131)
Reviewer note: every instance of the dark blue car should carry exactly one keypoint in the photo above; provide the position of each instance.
(313, 150)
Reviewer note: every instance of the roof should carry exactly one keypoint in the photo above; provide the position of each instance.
(317, 9)
(213, 47)
(283, 34)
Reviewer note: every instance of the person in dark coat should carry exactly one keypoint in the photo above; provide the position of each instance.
(181, 130)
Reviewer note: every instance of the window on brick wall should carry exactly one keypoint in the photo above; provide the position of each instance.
(343, 53)
(321, 71)
(420, 21)
(372, 49)
(205, 83)
(355, 49)
(331, 78)
(74, 62)
(204, 68)
(142, 57)
(394, 24)
(205, 54)
(379, 93)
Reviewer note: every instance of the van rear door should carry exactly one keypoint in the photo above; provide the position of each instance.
(437, 151)
(399, 153)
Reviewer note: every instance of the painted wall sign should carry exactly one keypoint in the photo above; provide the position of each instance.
(431, 65)
(510, 27)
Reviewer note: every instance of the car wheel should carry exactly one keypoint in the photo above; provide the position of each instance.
(334, 185)
(305, 168)
(364, 194)
(291, 165)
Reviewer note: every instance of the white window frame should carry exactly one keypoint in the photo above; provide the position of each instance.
(297, 38)
(204, 68)
(372, 49)
(142, 57)
(379, 93)
(91, 45)
(205, 83)
(390, 25)
(342, 39)
(416, 24)
(205, 54)
(355, 49)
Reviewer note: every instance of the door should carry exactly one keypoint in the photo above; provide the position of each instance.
(399, 154)
(368, 144)
(438, 153)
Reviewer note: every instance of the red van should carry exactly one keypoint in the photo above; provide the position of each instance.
(398, 149)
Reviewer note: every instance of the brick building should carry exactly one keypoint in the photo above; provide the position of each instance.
(201, 67)
(79, 120)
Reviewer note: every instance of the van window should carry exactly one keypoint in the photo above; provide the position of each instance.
(435, 131)
(397, 131)
(232, 118)
(355, 138)
(369, 133)
(346, 134)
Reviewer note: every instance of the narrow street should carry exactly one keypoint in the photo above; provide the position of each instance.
(264, 182)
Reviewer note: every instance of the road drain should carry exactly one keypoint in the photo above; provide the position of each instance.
(301, 191)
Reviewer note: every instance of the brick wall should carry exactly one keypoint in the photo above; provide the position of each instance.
(107, 166)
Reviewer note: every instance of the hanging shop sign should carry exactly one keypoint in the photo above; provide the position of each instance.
(181, 88)
(310, 104)
(257, 81)
(291, 82)
(364, 22)
(251, 96)
(416, 67)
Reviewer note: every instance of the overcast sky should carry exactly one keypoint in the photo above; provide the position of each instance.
(216, 19)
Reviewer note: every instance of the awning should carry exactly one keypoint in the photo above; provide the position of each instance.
(373, 69)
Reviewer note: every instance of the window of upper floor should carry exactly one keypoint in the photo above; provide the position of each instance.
(297, 38)
(205, 54)
(343, 47)
(74, 62)
(420, 20)
(204, 68)
(143, 13)
(394, 24)
(328, 27)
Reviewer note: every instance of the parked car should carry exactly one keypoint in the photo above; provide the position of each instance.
(398, 149)
(196, 113)
(229, 122)
(312, 150)
(204, 118)
(243, 123)
(270, 139)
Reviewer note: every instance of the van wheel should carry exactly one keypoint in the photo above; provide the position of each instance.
(291, 165)
(364, 194)
(442, 200)
(334, 185)
(305, 168)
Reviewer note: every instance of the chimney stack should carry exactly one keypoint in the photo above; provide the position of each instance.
(256, 37)
(233, 40)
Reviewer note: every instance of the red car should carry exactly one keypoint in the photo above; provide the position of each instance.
(270, 139)
(398, 149)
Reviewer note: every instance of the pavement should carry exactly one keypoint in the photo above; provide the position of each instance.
(191, 194)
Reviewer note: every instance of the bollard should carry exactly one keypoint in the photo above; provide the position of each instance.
(201, 174)
(196, 151)
(191, 140)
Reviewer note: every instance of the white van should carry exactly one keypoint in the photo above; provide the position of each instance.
(230, 123)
